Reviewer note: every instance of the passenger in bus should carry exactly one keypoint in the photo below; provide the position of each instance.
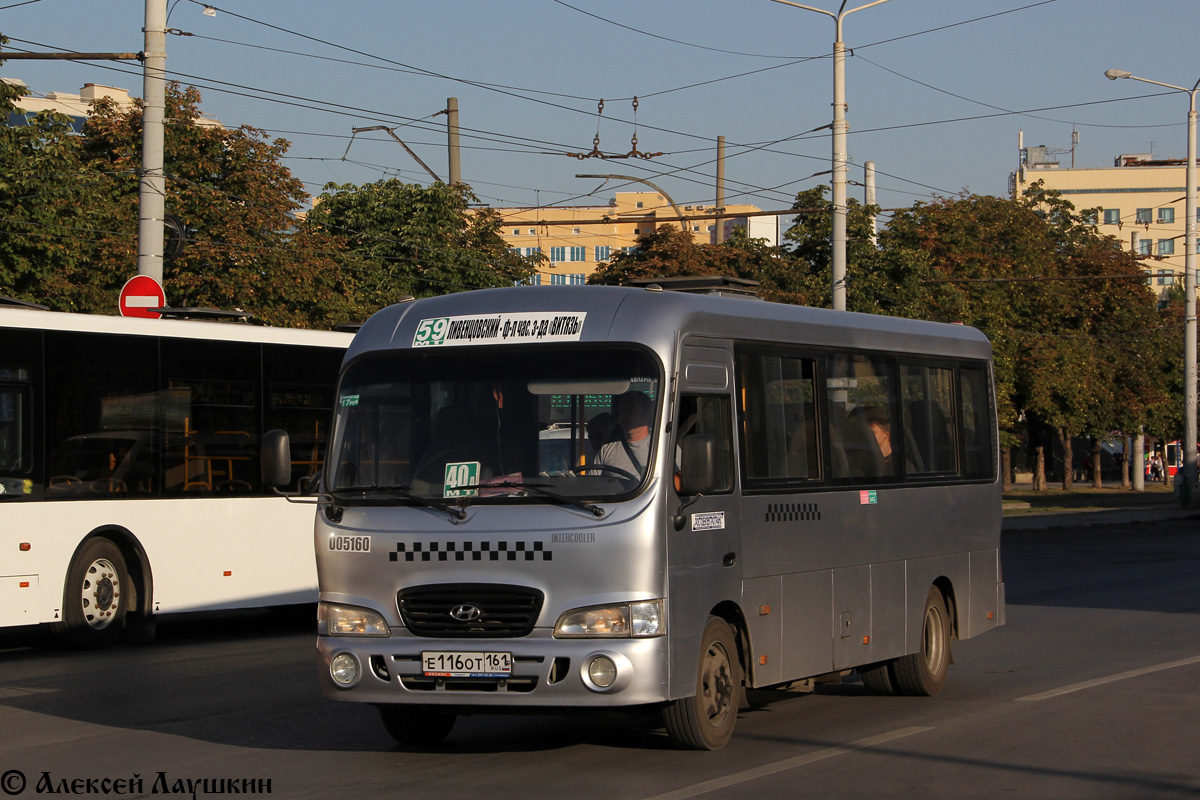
(630, 453)
(881, 426)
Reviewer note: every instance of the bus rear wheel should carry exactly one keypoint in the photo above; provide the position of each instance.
(94, 601)
(924, 673)
(417, 726)
(705, 720)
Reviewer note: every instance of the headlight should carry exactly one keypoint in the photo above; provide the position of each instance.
(624, 620)
(335, 620)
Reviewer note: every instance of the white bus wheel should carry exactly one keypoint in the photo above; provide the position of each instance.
(95, 598)
(705, 720)
(924, 673)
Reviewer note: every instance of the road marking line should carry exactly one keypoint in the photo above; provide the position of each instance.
(786, 764)
(1120, 676)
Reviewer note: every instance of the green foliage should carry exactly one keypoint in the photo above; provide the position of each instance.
(407, 239)
(671, 252)
(1078, 342)
(69, 204)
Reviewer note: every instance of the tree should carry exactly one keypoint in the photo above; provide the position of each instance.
(407, 239)
(1036, 278)
(670, 252)
(51, 202)
(811, 260)
(239, 204)
(69, 203)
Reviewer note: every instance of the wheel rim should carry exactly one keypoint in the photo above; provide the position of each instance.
(935, 643)
(101, 593)
(716, 685)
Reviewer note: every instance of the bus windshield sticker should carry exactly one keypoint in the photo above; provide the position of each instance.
(349, 400)
(525, 326)
(708, 521)
(461, 473)
(867, 497)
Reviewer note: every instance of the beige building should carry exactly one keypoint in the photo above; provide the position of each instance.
(76, 106)
(577, 238)
(1141, 200)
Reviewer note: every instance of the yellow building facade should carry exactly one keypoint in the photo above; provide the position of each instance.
(1141, 200)
(575, 239)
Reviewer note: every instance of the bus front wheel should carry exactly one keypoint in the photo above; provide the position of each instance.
(416, 726)
(95, 599)
(705, 720)
(924, 673)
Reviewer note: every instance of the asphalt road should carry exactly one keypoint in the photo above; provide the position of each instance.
(1090, 691)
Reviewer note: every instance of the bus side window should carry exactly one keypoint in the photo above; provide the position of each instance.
(708, 414)
(978, 457)
(860, 396)
(779, 417)
(927, 397)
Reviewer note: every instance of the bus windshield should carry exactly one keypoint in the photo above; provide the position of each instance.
(486, 425)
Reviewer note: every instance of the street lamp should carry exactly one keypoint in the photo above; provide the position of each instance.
(1189, 280)
(840, 129)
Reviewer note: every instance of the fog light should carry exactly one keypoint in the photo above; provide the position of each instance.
(602, 671)
(343, 669)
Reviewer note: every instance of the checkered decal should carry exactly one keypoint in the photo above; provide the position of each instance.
(793, 512)
(471, 551)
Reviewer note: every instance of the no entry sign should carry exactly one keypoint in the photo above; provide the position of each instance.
(140, 294)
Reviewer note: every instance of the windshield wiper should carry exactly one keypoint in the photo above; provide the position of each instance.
(539, 489)
(403, 492)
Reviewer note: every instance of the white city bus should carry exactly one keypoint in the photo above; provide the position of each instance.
(130, 481)
(796, 492)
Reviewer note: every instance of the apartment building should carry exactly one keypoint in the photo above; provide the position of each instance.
(1141, 200)
(577, 238)
(75, 106)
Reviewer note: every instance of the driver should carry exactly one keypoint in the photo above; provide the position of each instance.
(631, 453)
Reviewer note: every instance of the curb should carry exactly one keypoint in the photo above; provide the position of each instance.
(1087, 519)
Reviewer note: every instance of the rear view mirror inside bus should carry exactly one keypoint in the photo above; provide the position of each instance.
(576, 386)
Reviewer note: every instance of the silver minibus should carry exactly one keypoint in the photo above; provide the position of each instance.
(549, 498)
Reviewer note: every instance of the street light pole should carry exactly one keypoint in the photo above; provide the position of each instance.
(840, 158)
(1189, 280)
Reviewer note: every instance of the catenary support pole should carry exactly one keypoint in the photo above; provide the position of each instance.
(152, 187)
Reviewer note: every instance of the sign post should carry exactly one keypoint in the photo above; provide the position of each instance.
(139, 295)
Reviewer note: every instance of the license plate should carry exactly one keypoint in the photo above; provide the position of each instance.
(444, 664)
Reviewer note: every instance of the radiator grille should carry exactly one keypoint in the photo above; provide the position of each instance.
(446, 610)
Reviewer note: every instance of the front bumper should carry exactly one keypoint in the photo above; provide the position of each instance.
(546, 672)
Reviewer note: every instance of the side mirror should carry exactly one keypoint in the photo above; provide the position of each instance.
(698, 464)
(276, 459)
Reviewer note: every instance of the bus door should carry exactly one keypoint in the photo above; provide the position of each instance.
(703, 532)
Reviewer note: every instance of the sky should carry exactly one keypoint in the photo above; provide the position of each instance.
(937, 90)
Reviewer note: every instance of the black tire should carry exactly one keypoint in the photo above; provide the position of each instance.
(705, 720)
(878, 678)
(417, 726)
(95, 599)
(924, 673)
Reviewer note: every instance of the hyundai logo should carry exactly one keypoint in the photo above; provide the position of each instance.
(465, 613)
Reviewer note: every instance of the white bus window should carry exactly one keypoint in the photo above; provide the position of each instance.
(15, 462)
